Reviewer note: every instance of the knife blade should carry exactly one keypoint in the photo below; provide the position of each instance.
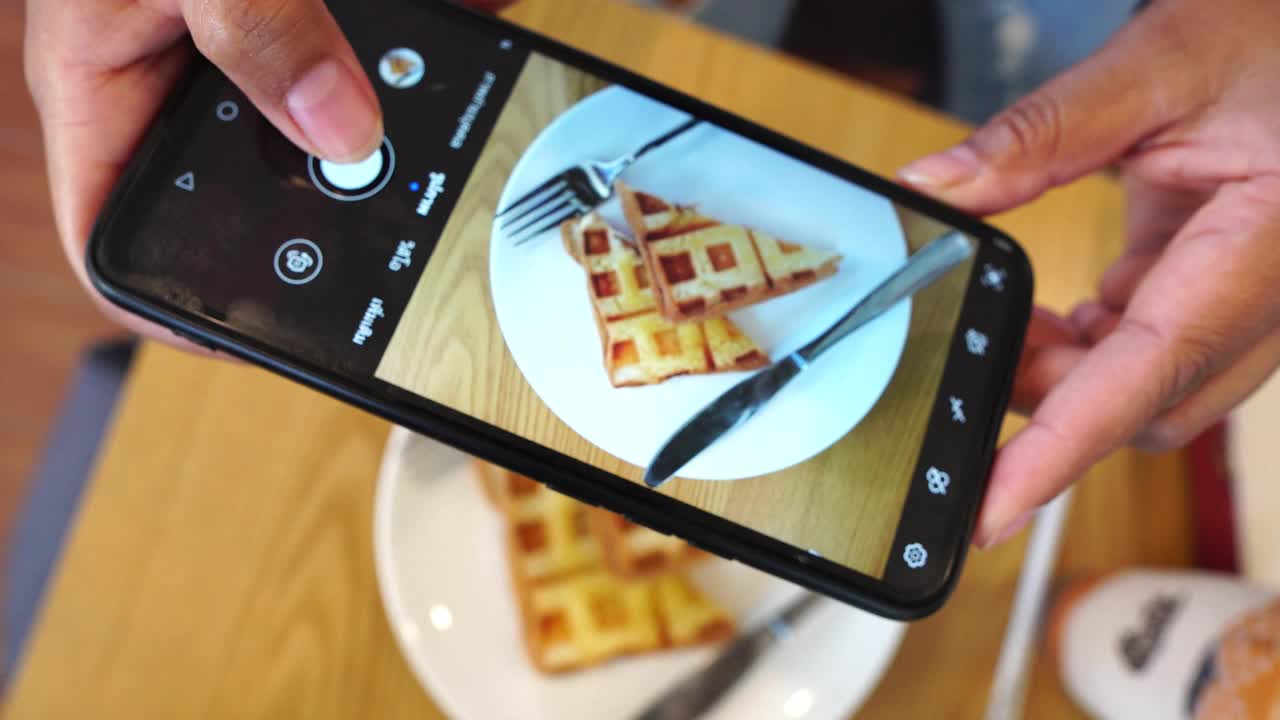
(699, 692)
(728, 411)
(738, 404)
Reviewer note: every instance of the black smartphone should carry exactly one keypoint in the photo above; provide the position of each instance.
(569, 352)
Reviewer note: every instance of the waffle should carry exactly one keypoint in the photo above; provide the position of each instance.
(500, 484)
(575, 612)
(587, 619)
(640, 346)
(548, 533)
(701, 267)
(616, 275)
(593, 616)
(632, 550)
(688, 616)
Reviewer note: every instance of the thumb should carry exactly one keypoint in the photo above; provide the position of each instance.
(1082, 120)
(292, 61)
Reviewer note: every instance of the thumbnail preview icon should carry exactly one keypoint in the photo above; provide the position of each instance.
(402, 68)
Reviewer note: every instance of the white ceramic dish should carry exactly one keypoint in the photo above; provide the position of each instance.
(540, 295)
(443, 579)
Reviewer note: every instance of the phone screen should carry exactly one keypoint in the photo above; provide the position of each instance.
(599, 337)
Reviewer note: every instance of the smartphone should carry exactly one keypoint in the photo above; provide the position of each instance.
(393, 284)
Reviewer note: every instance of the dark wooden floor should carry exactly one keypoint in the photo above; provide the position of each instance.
(46, 318)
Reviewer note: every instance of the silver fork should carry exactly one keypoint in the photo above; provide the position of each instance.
(574, 191)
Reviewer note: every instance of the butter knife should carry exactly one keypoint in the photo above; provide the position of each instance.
(743, 400)
(696, 694)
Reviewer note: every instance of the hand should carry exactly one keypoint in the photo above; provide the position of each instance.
(1187, 323)
(99, 71)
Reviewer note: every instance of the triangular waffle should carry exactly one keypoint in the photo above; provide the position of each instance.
(640, 346)
(549, 534)
(702, 267)
(631, 550)
(575, 612)
(688, 616)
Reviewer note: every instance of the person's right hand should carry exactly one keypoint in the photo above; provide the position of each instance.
(99, 71)
(1187, 322)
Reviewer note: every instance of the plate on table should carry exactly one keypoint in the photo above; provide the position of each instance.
(443, 578)
(543, 308)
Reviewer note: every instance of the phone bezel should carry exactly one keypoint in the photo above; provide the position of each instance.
(559, 471)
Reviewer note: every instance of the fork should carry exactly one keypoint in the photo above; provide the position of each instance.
(574, 191)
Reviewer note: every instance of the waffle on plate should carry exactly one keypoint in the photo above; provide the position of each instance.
(702, 267)
(641, 347)
(631, 550)
(576, 612)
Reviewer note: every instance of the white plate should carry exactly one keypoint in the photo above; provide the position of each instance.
(542, 306)
(444, 584)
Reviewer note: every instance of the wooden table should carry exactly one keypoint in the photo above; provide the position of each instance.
(221, 564)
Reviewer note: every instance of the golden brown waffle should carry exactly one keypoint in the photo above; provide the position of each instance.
(593, 616)
(586, 619)
(632, 550)
(500, 484)
(701, 267)
(575, 612)
(791, 266)
(640, 346)
(549, 533)
(616, 275)
(688, 616)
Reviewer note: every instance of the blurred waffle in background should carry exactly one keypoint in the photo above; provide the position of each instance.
(592, 586)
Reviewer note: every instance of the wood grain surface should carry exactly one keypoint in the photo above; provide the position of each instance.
(448, 348)
(222, 564)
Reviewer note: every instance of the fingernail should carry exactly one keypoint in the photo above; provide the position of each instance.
(334, 113)
(1018, 525)
(943, 170)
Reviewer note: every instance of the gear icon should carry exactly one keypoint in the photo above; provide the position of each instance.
(938, 481)
(915, 556)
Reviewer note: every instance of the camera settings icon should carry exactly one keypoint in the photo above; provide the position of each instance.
(915, 556)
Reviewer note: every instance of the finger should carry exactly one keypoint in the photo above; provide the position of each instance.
(1215, 398)
(1094, 321)
(149, 330)
(1048, 328)
(1040, 373)
(1080, 121)
(1154, 213)
(292, 61)
(1049, 352)
(1121, 280)
(87, 147)
(1209, 298)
